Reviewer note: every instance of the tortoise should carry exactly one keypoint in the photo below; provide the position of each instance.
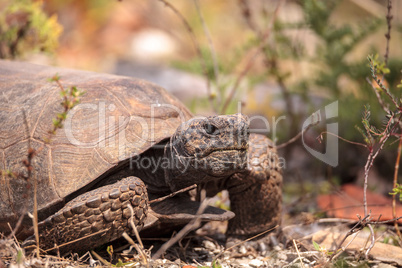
(126, 143)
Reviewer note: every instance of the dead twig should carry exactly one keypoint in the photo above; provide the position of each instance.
(356, 228)
(342, 249)
(295, 138)
(76, 240)
(396, 171)
(343, 139)
(244, 241)
(137, 248)
(285, 93)
(13, 236)
(372, 240)
(18, 224)
(248, 16)
(28, 165)
(398, 158)
(362, 223)
(193, 224)
(196, 46)
(102, 260)
(298, 253)
(392, 220)
(173, 194)
(388, 34)
(370, 160)
(137, 235)
(271, 64)
(35, 216)
(251, 60)
(210, 43)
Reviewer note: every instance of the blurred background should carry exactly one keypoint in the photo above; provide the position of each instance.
(282, 60)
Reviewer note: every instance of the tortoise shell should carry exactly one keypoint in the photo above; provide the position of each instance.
(117, 117)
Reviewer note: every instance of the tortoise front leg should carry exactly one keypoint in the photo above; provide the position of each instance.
(256, 196)
(94, 218)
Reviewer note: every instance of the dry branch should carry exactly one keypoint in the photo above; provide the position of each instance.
(210, 43)
(196, 46)
(251, 59)
(193, 224)
(173, 194)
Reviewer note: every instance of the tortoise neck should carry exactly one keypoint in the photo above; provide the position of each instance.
(182, 171)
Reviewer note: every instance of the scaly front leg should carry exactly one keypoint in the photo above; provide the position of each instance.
(256, 195)
(94, 218)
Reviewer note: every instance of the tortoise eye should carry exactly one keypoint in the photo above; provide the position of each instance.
(211, 129)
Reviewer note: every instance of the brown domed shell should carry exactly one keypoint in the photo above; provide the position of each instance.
(117, 117)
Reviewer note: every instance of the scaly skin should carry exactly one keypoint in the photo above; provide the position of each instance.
(256, 196)
(100, 215)
(256, 193)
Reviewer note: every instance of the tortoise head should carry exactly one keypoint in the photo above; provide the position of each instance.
(208, 148)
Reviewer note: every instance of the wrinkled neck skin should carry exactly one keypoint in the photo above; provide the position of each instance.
(181, 173)
(169, 173)
(185, 171)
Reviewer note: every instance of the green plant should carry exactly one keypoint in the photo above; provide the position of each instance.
(397, 190)
(71, 97)
(323, 250)
(215, 264)
(24, 27)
